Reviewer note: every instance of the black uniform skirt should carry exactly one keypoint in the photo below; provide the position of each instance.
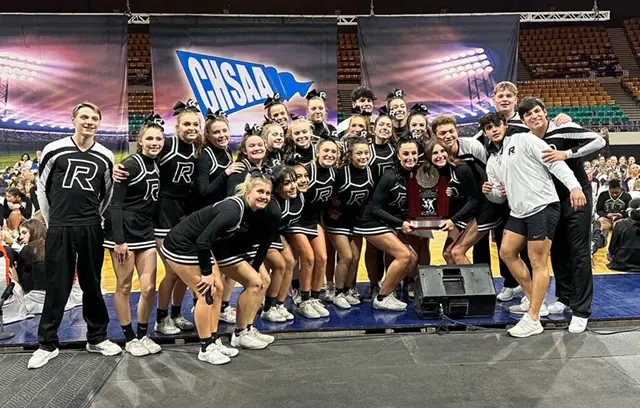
(137, 230)
(491, 215)
(369, 226)
(169, 212)
(344, 225)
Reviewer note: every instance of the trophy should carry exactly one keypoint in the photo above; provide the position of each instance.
(428, 201)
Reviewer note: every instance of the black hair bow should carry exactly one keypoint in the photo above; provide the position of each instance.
(153, 119)
(384, 111)
(254, 130)
(189, 105)
(263, 171)
(315, 94)
(275, 100)
(420, 108)
(398, 93)
(219, 114)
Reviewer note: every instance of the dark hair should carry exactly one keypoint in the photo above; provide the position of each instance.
(15, 191)
(350, 143)
(492, 118)
(615, 183)
(362, 92)
(242, 148)
(394, 138)
(528, 104)
(428, 132)
(37, 235)
(280, 174)
(634, 209)
(428, 153)
(27, 154)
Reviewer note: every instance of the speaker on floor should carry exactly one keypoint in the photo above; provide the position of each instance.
(461, 290)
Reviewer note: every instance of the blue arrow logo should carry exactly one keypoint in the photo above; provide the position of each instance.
(233, 85)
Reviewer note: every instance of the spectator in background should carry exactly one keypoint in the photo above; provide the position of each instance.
(30, 264)
(624, 250)
(25, 162)
(17, 206)
(635, 190)
(610, 208)
(632, 176)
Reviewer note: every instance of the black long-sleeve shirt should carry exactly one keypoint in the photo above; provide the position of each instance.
(467, 193)
(25, 208)
(624, 248)
(31, 271)
(389, 199)
(211, 176)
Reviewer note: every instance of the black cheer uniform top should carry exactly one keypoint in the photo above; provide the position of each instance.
(388, 203)
(382, 159)
(211, 176)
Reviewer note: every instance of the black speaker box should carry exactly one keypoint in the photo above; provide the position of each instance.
(461, 290)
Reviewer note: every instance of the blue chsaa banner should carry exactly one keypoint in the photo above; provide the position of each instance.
(235, 64)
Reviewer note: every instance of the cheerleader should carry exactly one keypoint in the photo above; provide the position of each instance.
(302, 184)
(382, 218)
(273, 136)
(397, 108)
(215, 165)
(251, 154)
(317, 113)
(362, 99)
(418, 123)
(307, 236)
(177, 165)
(299, 141)
(354, 184)
(465, 193)
(290, 203)
(356, 124)
(382, 159)
(229, 230)
(129, 235)
(277, 111)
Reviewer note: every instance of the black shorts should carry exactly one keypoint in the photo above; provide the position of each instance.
(491, 215)
(536, 227)
(169, 212)
(137, 231)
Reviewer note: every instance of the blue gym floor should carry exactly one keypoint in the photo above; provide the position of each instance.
(617, 297)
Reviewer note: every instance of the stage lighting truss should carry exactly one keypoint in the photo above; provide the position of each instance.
(18, 67)
(466, 64)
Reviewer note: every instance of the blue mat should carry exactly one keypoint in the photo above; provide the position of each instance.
(617, 297)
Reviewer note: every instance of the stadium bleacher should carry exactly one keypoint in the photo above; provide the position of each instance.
(348, 58)
(139, 59)
(632, 28)
(140, 105)
(632, 86)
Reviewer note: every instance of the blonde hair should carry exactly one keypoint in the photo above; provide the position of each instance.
(636, 185)
(506, 85)
(142, 131)
(207, 127)
(250, 183)
(299, 122)
(267, 128)
(199, 142)
(89, 105)
(322, 143)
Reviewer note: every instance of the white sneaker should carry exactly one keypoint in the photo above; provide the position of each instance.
(136, 348)
(526, 327)
(320, 309)
(261, 336)
(246, 340)
(284, 312)
(330, 292)
(213, 356)
(228, 315)
(558, 308)
(41, 357)
(183, 324)
(296, 296)
(578, 324)
(508, 294)
(341, 301)
(150, 345)
(166, 326)
(524, 306)
(411, 290)
(353, 297)
(106, 348)
(389, 303)
(307, 310)
(273, 315)
(227, 351)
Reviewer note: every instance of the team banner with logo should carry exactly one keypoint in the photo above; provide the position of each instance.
(50, 63)
(235, 64)
(449, 63)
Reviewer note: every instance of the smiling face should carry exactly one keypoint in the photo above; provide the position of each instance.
(275, 136)
(255, 149)
(86, 122)
(383, 128)
(356, 125)
(317, 110)
(448, 133)
(151, 142)
(408, 155)
(327, 153)
(288, 189)
(219, 134)
(188, 127)
(278, 113)
(505, 101)
(365, 104)
(439, 156)
(536, 119)
(418, 126)
(360, 155)
(399, 108)
(301, 134)
(259, 196)
(302, 178)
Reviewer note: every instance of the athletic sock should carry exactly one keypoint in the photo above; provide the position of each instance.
(269, 302)
(295, 284)
(142, 330)
(340, 290)
(305, 296)
(161, 314)
(279, 303)
(381, 297)
(204, 343)
(315, 294)
(176, 310)
(195, 300)
(215, 336)
(128, 332)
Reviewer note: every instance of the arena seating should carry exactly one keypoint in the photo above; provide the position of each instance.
(139, 59)
(632, 28)
(583, 99)
(567, 52)
(348, 58)
(140, 105)
(632, 86)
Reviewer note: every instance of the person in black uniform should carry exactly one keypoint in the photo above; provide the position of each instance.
(277, 111)
(397, 108)
(352, 189)
(382, 158)
(228, 230)
(466, 198)
(74, 189)
(418, 124)
(215, 165)
(129, 235)
(290, 203)
(251, 155)
(317, 114)
(307, 237)
(273, 136)
(298, 143)
(381, 222)
(624, 249)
